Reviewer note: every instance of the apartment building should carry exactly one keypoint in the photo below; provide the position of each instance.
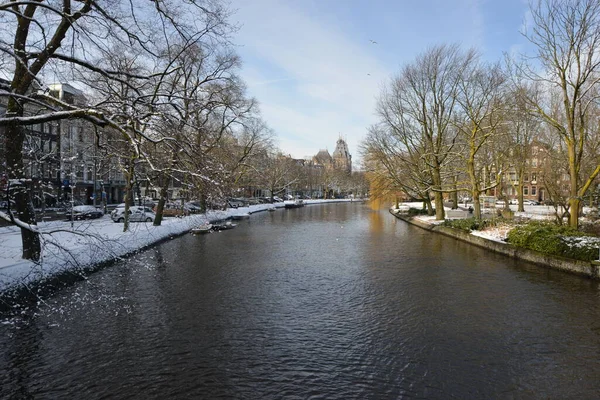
(65, 158)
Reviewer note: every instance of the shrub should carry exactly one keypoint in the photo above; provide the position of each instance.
(554, 239)
(417, 211)
(469, 224)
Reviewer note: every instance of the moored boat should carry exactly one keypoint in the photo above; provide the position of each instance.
(293, 203)
(206, 228)
(223, 226)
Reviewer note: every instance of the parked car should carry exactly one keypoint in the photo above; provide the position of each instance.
(277, 199)
(84, 212)
(174, 210)
(192, 207)
(136, 214)
(532, 203)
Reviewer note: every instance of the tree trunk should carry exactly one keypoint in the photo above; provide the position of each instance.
(427, 204)
(574, 199)
(161, 205)
(474, 185)
(454, 194)
(14, 138)
(128, 194)
(520, 199)
(574, 204)
(437, 194)
(476, 205)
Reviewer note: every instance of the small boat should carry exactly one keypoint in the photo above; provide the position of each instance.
(271, 209)
(240, 216)
(206, 228)
(224, 226)
(293, 203)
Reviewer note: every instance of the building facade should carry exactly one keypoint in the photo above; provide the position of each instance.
(64, 159)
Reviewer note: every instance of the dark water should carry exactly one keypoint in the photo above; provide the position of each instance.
(325, 302)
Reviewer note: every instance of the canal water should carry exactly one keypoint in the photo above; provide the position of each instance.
(326, 302)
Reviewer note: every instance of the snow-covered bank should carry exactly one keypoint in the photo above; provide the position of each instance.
(94, 242)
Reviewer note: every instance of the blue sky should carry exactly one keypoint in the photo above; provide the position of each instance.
(316, 74)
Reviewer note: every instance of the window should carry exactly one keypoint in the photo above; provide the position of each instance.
(513, 176)
(534, 162)
(533, 190)
(534, 177)
(526, 190)
(526, 177)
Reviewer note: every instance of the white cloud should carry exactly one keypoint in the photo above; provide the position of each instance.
(323, 84)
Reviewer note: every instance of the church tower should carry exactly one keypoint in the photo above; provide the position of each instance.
(342, 160)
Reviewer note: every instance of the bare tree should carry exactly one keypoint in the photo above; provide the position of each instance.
(67, 37)
(481, 104)
(395, 166)
(420, 105)
(522, 129)
(566, 34)
(277, 172)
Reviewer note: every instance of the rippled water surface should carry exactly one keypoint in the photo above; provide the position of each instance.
(324, 302)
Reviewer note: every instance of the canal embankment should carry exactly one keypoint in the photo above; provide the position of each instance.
(583, 268)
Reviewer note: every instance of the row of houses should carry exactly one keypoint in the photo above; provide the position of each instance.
(542, 179)
(64, 159)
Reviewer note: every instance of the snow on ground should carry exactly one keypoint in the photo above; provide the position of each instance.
(95, 241)
(497, 233)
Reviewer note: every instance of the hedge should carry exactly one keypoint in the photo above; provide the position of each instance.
(560, 240)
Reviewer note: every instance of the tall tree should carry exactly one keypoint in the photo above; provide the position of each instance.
(566, 34)
(68, 37)
(480, 113)
(420, 104)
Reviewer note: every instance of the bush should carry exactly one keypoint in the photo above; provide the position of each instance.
(417, 211)
(554, 239)
(469, 224)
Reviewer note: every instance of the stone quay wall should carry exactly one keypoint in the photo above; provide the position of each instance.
(584, 268)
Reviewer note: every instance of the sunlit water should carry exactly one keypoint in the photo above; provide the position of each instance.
(324, 302)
